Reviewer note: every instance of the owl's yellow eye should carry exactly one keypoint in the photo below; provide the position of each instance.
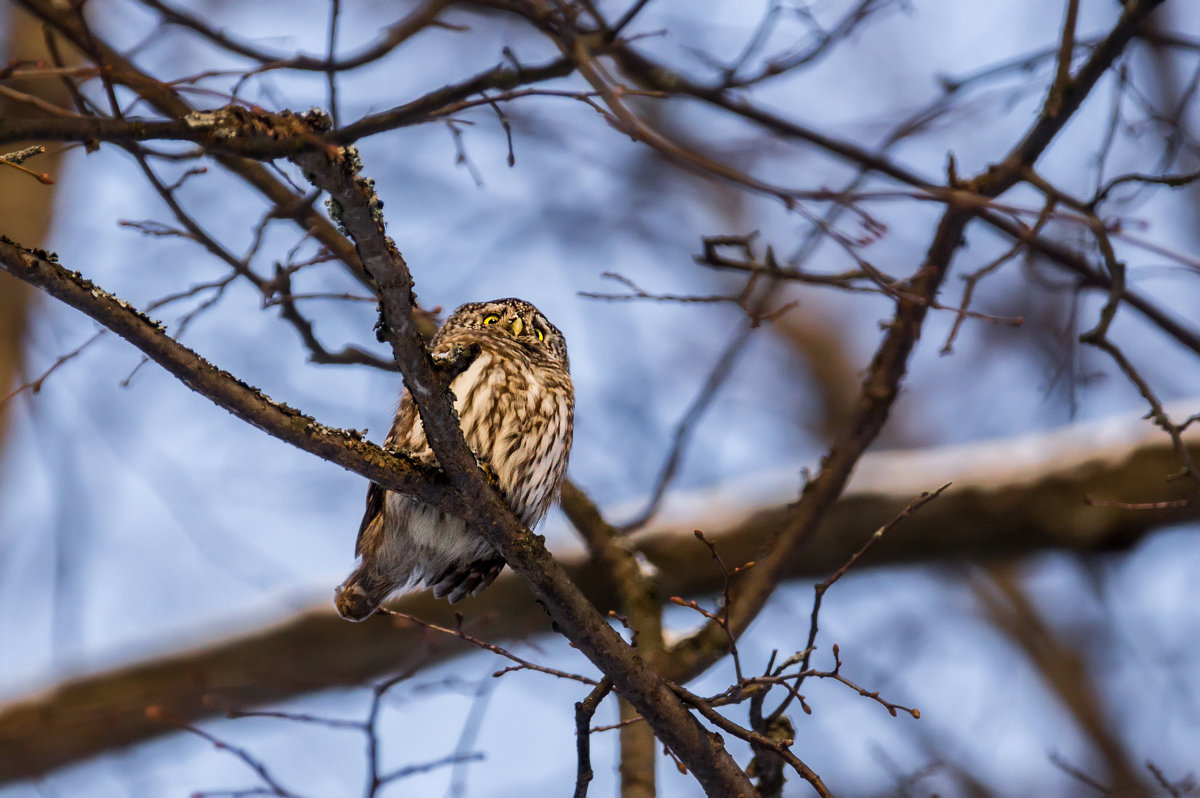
(492, 319)
(538, 330)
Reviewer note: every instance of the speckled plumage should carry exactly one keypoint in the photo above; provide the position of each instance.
(516, 405)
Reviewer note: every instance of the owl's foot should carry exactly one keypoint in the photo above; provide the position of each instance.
(353, 603)
(488, 473)
(455, 361)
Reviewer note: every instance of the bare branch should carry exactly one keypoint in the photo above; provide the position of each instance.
(345, 448)
(584, 710)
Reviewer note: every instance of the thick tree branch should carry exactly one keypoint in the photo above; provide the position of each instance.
(342, 447)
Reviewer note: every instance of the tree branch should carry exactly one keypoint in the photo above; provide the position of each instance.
(341, 447)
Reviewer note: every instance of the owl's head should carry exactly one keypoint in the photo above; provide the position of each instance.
(512, 320)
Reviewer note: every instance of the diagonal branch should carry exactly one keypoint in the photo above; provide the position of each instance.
(341, 447)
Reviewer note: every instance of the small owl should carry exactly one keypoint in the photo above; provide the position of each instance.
(516, 406)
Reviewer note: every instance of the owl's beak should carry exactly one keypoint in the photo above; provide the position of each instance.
(518, 325)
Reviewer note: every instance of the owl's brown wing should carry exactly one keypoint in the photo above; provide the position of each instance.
(399, 437)
(375, 498)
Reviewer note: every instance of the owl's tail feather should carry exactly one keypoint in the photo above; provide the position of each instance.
(361, 595)
(353, 603)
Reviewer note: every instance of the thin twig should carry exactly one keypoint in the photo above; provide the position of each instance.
(822, 587)
(522, 664)
(584, 710)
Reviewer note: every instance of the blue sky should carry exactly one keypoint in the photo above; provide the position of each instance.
(136, 518)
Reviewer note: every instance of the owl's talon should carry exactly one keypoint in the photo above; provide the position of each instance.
(455, 361)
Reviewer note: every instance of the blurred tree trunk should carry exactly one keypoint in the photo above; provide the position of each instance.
(26, 206)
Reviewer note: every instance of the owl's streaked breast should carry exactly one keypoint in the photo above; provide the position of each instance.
(517, 420)
(515, 405)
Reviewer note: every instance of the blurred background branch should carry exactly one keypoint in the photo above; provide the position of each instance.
(1007, 499)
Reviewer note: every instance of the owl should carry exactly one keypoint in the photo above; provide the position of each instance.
(516, 406)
